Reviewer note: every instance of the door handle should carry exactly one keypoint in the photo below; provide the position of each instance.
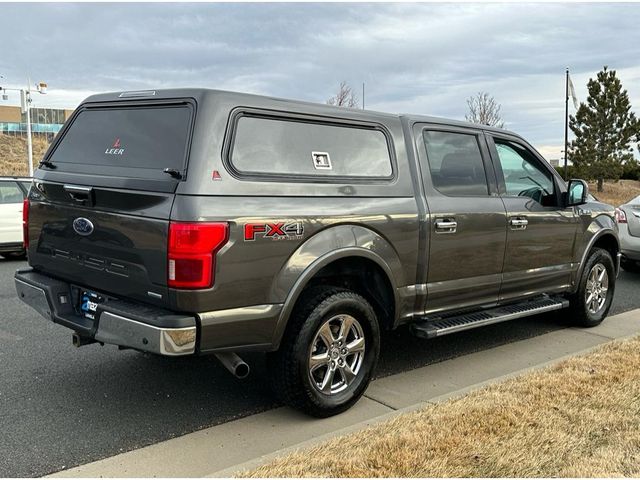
(446, 226)
(518, 223)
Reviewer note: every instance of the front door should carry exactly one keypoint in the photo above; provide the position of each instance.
(541, 232)
(466, 225)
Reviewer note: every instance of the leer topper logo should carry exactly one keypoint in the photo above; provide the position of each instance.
(115, 150)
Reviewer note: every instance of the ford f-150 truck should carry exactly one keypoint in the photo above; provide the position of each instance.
(194, 221)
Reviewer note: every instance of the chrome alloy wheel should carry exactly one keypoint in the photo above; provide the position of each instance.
(597, 288)
(336, 354)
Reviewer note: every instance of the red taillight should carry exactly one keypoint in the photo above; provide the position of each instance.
(191, 253)
(25, 223)
(621, 217)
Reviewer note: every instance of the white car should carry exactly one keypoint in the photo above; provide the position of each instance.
(13, 191)
(628, 218)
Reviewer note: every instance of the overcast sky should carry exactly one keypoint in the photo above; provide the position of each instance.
(414, 58)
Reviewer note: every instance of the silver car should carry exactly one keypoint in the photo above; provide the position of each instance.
(628, 218)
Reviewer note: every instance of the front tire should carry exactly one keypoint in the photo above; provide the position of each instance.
(328, 353)
(591, 303)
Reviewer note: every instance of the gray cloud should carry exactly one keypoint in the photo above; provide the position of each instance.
(418, 58)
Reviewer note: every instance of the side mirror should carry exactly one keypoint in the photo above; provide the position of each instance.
(577, 192)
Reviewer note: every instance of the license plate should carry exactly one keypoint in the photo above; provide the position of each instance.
(89, 302)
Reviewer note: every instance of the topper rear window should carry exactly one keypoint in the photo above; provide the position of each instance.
(125, 137)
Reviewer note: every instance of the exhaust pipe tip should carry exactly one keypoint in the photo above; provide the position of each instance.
(242, 370)
(232, 362)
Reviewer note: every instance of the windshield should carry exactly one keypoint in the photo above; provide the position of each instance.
(150, 137)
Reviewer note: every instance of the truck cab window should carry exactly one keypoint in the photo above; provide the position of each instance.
(455, 163)
(523, 176)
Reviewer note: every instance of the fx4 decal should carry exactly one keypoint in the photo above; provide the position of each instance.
(274, 231)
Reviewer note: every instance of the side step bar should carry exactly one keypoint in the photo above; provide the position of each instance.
(437, 326)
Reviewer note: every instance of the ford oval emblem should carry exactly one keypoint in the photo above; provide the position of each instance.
(83, 226)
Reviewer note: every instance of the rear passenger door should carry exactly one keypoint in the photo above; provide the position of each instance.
(467, 219)
(11, 197)
(541, 232)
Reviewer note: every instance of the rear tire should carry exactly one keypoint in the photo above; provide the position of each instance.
(591, 303)
(328, 353)
(15, 255)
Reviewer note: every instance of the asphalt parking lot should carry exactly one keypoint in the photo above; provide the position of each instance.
(61, 406)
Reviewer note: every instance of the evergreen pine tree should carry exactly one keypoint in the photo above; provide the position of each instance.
(605, 128)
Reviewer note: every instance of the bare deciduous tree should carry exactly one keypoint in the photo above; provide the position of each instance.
(345, 97)
(484, 110)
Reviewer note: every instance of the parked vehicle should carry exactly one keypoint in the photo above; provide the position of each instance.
(194, 221)
(628, 218)
(594, 204)
(13, 191)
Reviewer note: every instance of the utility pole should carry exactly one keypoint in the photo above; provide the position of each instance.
(363, 95)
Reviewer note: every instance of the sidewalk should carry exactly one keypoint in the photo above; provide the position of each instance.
(246, 443)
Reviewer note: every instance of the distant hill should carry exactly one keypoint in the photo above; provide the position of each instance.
(13, 154)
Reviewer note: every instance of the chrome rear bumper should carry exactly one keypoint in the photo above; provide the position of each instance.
(115, 322)
(119, 330)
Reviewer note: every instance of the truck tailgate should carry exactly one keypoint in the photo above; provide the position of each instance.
(116, 244)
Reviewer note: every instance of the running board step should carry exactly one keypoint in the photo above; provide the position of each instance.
(443, 325)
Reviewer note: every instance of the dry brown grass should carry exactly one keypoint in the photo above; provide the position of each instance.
(616, 193)
(13, 154)
(579, 418)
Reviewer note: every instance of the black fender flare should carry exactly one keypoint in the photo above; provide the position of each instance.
(600, 233)
(319, 251)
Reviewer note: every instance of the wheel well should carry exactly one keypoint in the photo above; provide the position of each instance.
(364, 277)
(609, 243)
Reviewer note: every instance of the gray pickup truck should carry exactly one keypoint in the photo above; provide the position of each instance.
(196, 221)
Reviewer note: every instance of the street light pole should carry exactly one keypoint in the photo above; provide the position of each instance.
(29, 141)
(25, 99)
(566, 122)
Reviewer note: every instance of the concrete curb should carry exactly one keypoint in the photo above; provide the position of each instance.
(249, 442)
(257, 462)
